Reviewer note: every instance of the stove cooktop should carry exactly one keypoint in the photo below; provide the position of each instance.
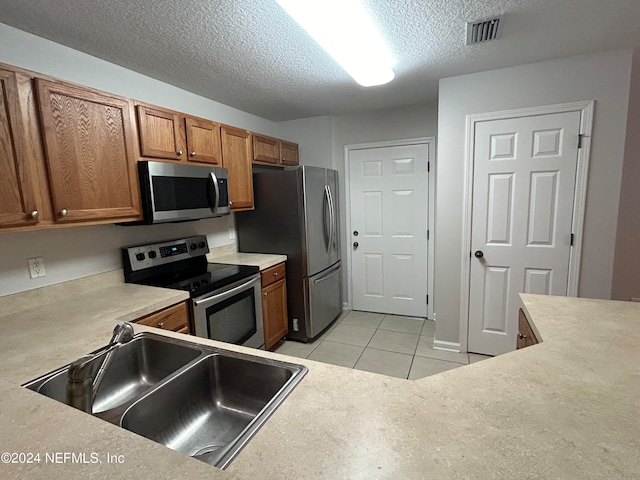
(200, 281)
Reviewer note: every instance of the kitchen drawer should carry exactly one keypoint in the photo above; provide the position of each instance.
(175, 318)
(272, 274)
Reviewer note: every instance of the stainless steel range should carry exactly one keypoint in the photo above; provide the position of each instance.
(225, 299)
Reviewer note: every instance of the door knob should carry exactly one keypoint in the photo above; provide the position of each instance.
(479, 254)
(355, 233)
(355, 244)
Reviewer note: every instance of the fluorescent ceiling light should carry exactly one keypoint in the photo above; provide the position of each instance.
(343, 28)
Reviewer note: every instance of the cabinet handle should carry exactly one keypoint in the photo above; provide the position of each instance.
(193, 154)
(34, 214)
(179, 152)
(521, 335)
(64, 212)
(161, 325)
(265, 294)
(275, 274)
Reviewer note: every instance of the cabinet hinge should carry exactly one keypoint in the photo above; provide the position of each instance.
(571, 240)
(428, 167)
(580, 135)
(428, 234)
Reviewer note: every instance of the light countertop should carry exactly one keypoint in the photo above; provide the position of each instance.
(262, 260)
(564, 409)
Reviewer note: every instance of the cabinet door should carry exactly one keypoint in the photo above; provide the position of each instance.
(17, 202)
(236, 156)
(266, 149)
(274, 313)
(203, 141)
(526, 337)
(289, 153)
(89, 153)
(160, 133)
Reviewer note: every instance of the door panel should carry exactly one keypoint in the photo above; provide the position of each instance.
(325, 295)
(316, 219)
(389, 200)
(523, 193)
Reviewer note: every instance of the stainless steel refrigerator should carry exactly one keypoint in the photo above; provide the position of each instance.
(296, 214)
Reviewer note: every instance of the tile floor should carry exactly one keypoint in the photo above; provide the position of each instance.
(387, 344)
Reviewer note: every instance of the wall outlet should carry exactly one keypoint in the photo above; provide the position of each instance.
(36, 267)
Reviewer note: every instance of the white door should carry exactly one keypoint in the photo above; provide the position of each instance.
(523, 196)
(388, 238)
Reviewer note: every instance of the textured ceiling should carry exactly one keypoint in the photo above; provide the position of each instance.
(250, 55)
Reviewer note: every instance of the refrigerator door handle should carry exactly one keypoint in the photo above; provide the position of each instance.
(329, 234)
(334, 227)
(327, 277)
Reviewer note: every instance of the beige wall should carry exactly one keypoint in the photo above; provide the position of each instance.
(603, 77)
(626, 267)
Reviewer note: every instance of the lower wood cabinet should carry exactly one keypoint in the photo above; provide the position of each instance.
(526, 337)
(174, 318)
(274, 305)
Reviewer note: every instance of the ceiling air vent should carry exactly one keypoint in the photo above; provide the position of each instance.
(483, 30)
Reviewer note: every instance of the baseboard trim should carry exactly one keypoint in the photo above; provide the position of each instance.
(448, 346)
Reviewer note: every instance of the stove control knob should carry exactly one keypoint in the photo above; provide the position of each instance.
(152, 254)
(193, 246)
(140, 256)
(202, 244)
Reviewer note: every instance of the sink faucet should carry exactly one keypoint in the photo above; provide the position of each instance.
(82, 385)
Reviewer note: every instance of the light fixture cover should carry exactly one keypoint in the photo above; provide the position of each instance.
(345, 30)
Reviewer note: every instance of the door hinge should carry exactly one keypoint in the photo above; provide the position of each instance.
(428, 233)
(580, 135)
(428, 167)
(427, 299)
(571, 244)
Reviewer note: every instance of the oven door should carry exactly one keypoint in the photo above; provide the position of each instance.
(232, 314)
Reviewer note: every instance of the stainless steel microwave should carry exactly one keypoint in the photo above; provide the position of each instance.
(176, 192)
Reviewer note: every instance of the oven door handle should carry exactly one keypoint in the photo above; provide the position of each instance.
(216, 189)
(222, 296)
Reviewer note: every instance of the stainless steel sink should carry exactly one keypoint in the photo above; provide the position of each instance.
(138, 365)
(202, 401)
(209, 407)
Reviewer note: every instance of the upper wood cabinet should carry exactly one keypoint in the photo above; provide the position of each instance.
(172, 135)
(17, 199)
(236, 156)
(266, 150)
(90, 158)
(203, 141)
(161, 133)
(272, 151)
(289, 153)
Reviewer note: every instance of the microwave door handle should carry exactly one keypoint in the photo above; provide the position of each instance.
(216, 189)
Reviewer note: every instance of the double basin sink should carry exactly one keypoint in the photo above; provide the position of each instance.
(203, 401)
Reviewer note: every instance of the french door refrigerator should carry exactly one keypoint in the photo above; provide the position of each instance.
(296, 214)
